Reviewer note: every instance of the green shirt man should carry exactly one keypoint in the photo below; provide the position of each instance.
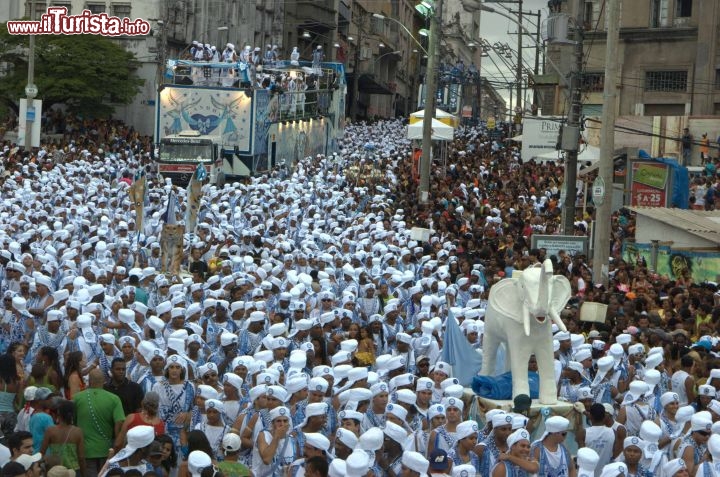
(100, 415)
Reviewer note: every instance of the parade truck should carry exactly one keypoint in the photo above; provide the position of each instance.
(205, 114)
(180, 153)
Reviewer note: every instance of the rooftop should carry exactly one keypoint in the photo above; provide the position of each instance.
(701, 223)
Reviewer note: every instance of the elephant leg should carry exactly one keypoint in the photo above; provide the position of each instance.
(490, 348)
(546, 370)
(519, 357)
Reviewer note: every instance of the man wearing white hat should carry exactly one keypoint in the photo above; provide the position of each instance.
(587, 462)
(414, 464)
(616, 469)
(133, 456)
(677, 468)
(155, 371)
(550, 451)
(275, 449)
(693, 446)
(634, 409)
(495, 444)
(315, 445)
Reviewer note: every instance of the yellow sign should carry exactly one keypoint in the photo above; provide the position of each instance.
(491, 123)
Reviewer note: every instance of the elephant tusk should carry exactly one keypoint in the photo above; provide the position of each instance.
(526, 319)
(556, 319)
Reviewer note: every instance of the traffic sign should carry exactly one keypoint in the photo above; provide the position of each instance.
(598, 191)
(31, 91)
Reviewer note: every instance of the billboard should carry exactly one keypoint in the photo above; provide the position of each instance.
(649, 184)
(210, 111)
(540, 135)
(572, 244)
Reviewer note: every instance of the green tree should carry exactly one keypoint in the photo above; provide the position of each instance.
(88, 73)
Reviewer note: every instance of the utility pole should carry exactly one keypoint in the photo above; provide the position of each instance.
(536, 107)
(519, 71)
(571, 131)
(604, 182)
(356, 74)
(538, 47)
(430, 94)
(30, 90)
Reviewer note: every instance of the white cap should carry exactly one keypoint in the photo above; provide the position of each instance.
(415, 461)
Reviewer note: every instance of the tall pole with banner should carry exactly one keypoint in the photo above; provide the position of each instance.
(31, 112)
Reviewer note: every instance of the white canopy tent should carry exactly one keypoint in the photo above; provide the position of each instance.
(440, 131)
(442, 116)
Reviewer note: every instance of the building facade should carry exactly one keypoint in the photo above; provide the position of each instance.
(668, 59)
(384, 57)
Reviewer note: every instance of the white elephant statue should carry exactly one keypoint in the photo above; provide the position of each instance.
(520, 313)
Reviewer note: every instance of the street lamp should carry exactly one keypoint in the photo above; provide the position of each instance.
(383, 17)
(398, 52)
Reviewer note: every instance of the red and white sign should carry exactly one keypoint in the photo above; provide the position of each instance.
(645, 196)
(180, 168)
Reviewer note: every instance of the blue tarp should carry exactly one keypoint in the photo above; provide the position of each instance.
(458, 353)
(500, 386)
(680, 193)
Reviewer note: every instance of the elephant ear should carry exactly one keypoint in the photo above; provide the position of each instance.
(561, 292)
(504, 299)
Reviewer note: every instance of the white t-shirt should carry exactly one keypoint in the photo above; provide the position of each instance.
(600, 439)
(677, 382)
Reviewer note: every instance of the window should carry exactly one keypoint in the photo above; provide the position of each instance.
(666, 81)
(67, 5)
(377, 26)
(96, 8)
(40, 9)
(593, 82)
(588, 16)
(659, 13)
(684, 8)
(717, 78)
(121, 10)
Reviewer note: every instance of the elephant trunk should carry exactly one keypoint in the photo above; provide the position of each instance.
(526, 318)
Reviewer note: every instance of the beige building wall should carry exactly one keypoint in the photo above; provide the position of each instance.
(660, 46)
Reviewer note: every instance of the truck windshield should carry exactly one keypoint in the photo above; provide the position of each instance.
(186, 152)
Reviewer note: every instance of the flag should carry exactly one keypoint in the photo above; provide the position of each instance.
(194, 194)
(459, 353)
(136, 192)
(169, 216)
